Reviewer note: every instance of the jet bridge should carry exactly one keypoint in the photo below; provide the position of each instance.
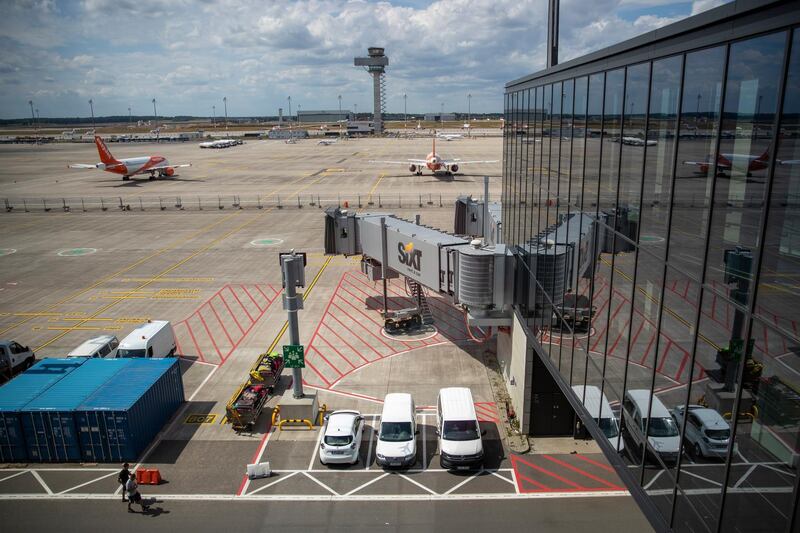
(477, 276)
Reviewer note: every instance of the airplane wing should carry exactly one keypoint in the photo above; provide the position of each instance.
(98, 166)
(720, 165)
(790, 162)
(162, 167)
(79, 165)
(407, 161)
(458, 161)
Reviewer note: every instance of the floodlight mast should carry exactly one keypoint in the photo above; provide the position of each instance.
(376, 65)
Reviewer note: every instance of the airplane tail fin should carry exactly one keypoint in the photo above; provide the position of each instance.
(105, 153)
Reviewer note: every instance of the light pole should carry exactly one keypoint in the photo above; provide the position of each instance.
(697, 112)
(755, 118)
(155, 118)
(405, 111)
(225, 101)
(340, 115)
(355, 106)
(214, 116)
(130, 117)
(469, 108)
(298, 113)
(91, 108)
(441, 115)
(290, 107)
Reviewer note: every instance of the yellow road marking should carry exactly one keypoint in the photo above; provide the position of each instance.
(65, 329)
(174, 280)
(372, 190)
(179, 263)
(285, 326)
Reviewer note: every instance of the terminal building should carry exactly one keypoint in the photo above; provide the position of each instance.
(440, 117)
(323, 116)
(675, 158)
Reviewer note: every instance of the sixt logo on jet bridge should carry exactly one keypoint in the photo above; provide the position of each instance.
(409, 256)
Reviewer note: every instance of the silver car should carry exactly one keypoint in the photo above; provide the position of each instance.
(341, 437)
(707, 433)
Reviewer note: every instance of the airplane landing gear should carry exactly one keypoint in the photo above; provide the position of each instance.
(126, 178)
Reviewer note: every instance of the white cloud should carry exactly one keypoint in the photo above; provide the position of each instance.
(191, 53)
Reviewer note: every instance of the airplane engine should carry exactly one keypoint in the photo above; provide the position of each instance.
(100, 166)
(412, 168)
(454, 168)
(169, 171)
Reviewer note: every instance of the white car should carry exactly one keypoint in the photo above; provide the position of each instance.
(341, 437)
(707, 433)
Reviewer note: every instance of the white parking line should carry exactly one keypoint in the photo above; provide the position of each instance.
(514, 479)
(316, 450)
(418, 484)
(321, 484)
(470, 478)
(690, 473)
(369, 449)
(741, 479)
(258, 457)
(370, 482)
(14, 475)
(41, 482)
(270, 484)
(87, 483)
(504, 478)
(424, 447)
(650, 483)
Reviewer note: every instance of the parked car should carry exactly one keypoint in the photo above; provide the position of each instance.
(576, 310)
(102, 346)
(458, 429)
(341, 437)
(397, 442)
(14, 358)
(154, 338)
(707, 433)
(662, 432)
(599, 409)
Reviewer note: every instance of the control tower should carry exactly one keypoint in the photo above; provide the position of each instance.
(376, 65)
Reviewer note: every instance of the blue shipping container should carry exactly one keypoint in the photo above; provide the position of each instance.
(122, 417)
(48, 422)
(18, 392)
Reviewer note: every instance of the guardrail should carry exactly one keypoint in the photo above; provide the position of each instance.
(220, 202)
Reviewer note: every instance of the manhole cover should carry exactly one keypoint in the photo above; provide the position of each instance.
(74, 252)
(424, 333)
(650, 239)
(266, 242)
(6, 251)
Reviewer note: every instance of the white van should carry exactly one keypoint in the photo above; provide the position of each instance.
(153, 339)
(102, 346)
(460, 444)
(397, 442)
(597, 404)
(662, 433)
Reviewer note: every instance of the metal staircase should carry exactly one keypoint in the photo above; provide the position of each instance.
(422, 301)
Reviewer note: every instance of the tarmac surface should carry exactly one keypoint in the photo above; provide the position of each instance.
(211, 267)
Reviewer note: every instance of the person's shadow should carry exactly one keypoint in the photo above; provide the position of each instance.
(151, 510)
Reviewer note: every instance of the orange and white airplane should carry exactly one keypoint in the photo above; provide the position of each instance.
(433, 162)
(154, 164)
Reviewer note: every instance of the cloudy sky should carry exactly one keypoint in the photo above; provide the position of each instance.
(188, 54)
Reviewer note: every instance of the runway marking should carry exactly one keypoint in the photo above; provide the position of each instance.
(171, 280)
(82, 328)
(372, 190)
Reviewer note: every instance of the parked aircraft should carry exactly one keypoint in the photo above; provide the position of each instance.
(741, 162)
(220, 143)
(433, 162)
(131, 166)
(450, 136)
(326, 142)
(638, 141)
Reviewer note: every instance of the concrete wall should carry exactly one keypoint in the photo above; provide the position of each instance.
(516, 363)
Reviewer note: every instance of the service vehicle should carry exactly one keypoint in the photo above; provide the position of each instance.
(459, 432)
(14, 358)
(244, 411)
(600, 410)
(662, 432)
(102, 346)
(397, 442)
(707, 433)
(575, 310)
(154, 338)
(341, 437)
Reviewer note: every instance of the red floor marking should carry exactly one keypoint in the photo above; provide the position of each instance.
(251, 297)
(488, 412)
(649, 346)
(240, 303)
(596, 463)
(542, 486)
(362, 313)
(766, 341)
(552, 474)
(380, 355)
(619, 337)
(211, 305)
(233, 316)
(683, 365)
(334, 367)
(210, 336)
(346, 360)
(178, 344)
(255, 457)
(358, 353)
(194, 340)
(317, 372)
(604, 332)
(664, 356)
(267, 298)
(581, 472)
(713, 305)
(686, 290)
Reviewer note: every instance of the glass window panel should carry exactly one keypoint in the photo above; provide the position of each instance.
(634, 145)
(698, 132)
(662, 128)
(579, 127)
(594, 123)
(611, 137)
(751, 93)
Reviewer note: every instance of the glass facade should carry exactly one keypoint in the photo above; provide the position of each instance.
(678, 296)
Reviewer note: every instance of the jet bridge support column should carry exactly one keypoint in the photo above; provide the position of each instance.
(384, 273)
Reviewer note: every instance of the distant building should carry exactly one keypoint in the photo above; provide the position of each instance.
(440, 117)
(287, 134)
(323, 116)
(361, 127)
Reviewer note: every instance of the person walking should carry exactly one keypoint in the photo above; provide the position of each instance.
(122, 479)
(133, 494)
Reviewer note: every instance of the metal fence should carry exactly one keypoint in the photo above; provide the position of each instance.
(221, 202)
